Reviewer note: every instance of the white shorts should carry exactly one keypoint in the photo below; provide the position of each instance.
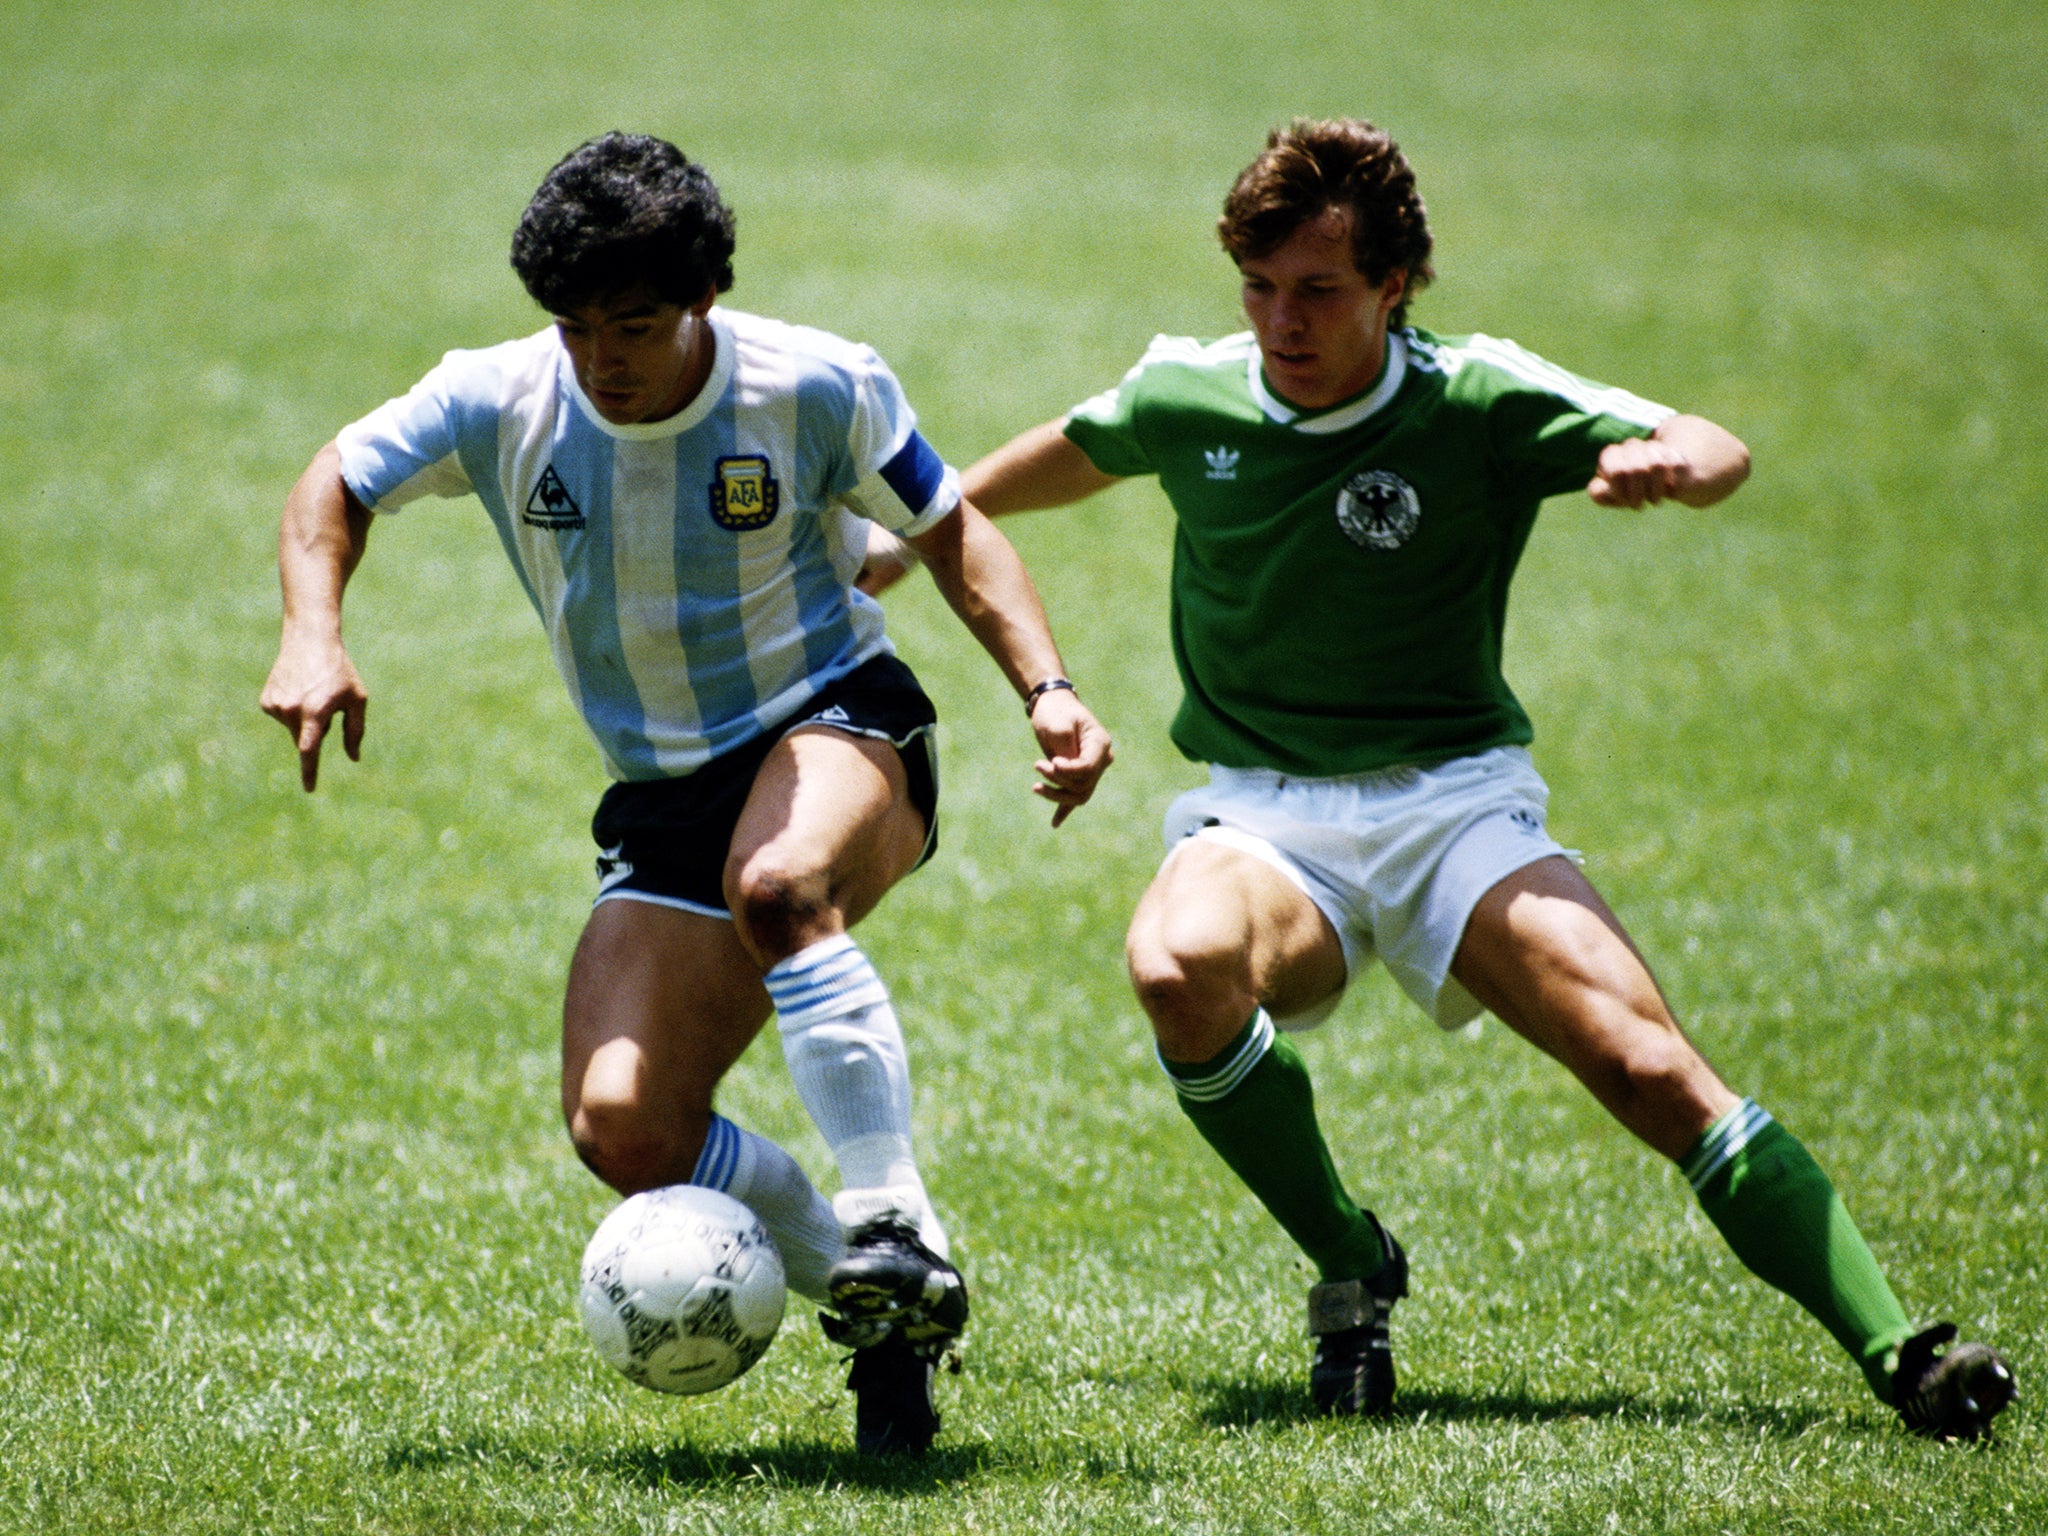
(1396, 859)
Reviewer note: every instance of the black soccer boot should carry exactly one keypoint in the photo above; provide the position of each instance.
(1953, 1394)
(891, 1383)
(1353, 1371)
(889, 1281)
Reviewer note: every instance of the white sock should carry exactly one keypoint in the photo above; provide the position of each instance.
(771, 1184)
(845, 1053)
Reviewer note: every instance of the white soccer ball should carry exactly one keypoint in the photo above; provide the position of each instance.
(682, 1289)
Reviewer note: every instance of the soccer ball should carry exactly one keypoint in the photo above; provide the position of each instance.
(682, 1289)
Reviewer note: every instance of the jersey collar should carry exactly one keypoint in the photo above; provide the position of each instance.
(669, 426)
(1343, 417)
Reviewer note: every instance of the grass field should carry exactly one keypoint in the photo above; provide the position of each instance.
(288, 1227)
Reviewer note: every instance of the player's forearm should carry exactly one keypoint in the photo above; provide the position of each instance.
(1039, 468)
(1719, 461)
(320, 541)
(985, 583)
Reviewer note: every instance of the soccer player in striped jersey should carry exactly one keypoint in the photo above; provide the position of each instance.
(1351, 496)
(685, 492)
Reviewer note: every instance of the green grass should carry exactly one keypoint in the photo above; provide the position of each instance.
(288, 1228)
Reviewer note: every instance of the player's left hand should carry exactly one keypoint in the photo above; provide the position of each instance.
(1077, 751)
(1640, 472)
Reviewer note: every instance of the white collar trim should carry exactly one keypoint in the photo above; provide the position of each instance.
(1280, 411)
(707, 396)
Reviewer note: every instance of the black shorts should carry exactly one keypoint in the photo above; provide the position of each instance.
(666, 840)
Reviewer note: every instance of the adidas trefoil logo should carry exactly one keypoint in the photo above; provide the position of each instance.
(1222, 463)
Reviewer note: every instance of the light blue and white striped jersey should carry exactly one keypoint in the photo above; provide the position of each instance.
(695, 575)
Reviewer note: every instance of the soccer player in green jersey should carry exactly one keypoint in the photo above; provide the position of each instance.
(1352, 495)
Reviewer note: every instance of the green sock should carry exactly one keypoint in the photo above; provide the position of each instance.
(1254, 1105)
(1784, 1220)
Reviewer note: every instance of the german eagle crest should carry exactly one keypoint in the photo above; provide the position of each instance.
(1377, 509)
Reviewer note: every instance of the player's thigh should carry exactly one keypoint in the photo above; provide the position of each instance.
(1219, 932)
(1545, 953)
(660, 1003)
(828, 827)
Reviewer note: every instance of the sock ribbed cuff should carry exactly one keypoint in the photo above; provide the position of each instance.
(830, 978)
(718, 1165)
(1206, 1082)
(1726, 1137)
(773, 1185)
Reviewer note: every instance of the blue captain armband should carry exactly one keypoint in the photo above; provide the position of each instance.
(915, 474)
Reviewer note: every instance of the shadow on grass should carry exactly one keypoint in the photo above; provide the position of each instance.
(793, 1463)
(1242, 1403)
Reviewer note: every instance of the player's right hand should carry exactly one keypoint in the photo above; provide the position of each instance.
(309, 684)
(1639, 472)
(1077, 751)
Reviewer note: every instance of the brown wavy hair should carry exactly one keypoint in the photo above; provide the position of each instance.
(1311, 165)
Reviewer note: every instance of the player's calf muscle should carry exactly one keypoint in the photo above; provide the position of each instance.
(634, 1128)
(1640, 1067)
(1661, 1090)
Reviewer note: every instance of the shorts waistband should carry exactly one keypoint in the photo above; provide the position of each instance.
(1392, 776)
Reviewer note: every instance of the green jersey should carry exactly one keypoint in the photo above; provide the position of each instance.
(1340, 577)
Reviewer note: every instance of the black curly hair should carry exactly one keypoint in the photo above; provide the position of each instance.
(622, 212)
(1311, 165)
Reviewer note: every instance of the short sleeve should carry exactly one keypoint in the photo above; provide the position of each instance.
(408, 448)
(1546, 425)
(899, 480)
(1105, 427)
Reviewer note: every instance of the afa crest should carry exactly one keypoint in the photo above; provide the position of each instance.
(745, 495)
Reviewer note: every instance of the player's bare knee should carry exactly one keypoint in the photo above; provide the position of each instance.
(630, 1148)
(1188, 990)
(628, 1163)
(1574, 954)
(1159, 974)
(780, 905)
